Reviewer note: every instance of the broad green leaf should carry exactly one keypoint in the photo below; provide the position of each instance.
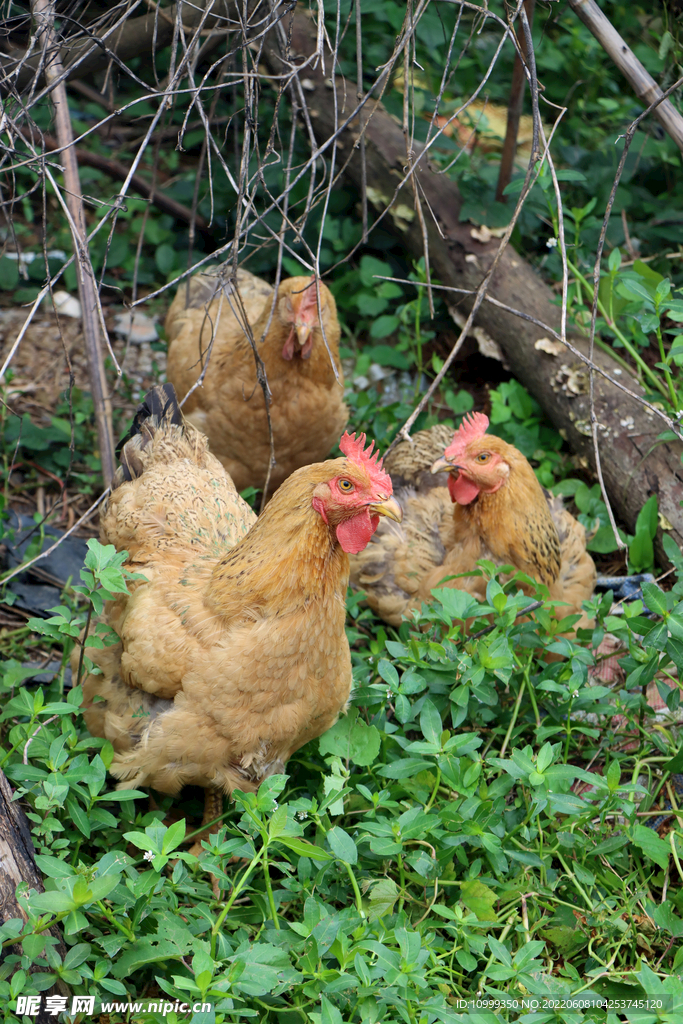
(654, 848)
(654, 598)
(342, 845)
(478, 898)
(383, 896)
(404, 768)
(351, 739)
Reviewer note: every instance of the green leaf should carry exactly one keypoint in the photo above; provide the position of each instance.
(388, 673)
(304, 849)
(478, 898)
(385, 355)
(78, 816)
(173, 837)
(52, 902)
(647, 517)
(342, 845)
(664, 917)
(672, 551)
(351, 739)
(405, 768)
(675, 765)
(457, 604)
(329, 1012)
(431, 724)
(654, 598)
(383, 896)
(641, 552)
(165, 258)
(383, 326)
(613, 776)
(652, 846)
(9, 274)
(53, 867)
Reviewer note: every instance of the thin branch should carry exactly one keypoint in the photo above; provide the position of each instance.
(44, 13)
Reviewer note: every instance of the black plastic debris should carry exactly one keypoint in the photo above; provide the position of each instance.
(39, 588)
(626, 588)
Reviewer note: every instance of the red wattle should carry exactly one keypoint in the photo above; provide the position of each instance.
(288, 349)
(307, 348)
(354, 534)
(461, 489)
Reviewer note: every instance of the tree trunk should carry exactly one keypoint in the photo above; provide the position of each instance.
(634, 465)
(17, 865)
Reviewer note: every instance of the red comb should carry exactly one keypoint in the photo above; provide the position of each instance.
(307, 298)
(354, 449)
(473, 426)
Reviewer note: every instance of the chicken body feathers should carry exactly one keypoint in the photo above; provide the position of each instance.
(307, 410)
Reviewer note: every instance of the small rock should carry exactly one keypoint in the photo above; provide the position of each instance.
(377, 372)
(136, 326)
(67, 305)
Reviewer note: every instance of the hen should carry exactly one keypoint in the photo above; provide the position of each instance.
(307, 409)
(483, 501)
(232, 651)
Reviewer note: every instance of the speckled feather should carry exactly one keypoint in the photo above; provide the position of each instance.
(233, 652)
(519, 525)
(307, 409)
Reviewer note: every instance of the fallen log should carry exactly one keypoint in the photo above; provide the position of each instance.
(634, 464)
(17, 864)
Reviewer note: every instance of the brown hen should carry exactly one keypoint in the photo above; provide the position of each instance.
(307, 409)
(232, 652)
(483, 501)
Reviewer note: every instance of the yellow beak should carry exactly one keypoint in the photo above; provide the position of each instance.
(303, 333)
(389, 507)
(442, 465)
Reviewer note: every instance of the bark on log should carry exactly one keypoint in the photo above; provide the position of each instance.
(17, 864)
(135, 36)
(634, 466)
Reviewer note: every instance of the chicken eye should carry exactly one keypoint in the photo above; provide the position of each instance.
(483, 457)
(345, 485)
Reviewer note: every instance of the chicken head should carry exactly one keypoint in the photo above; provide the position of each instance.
(475, 461)
(299, 307)
(352, 501)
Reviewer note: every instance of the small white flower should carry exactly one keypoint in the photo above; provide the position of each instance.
(551, 243)
(388, 694)
(148, 855)
(302, 815)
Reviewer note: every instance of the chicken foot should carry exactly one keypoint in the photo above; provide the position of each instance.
(212, 820)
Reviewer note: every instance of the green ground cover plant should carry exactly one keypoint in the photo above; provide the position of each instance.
(475, 827)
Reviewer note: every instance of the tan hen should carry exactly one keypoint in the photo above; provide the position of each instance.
(232, 652)
(483, 501)
(206, 321)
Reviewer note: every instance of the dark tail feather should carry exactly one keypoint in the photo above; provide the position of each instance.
(160, 405)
